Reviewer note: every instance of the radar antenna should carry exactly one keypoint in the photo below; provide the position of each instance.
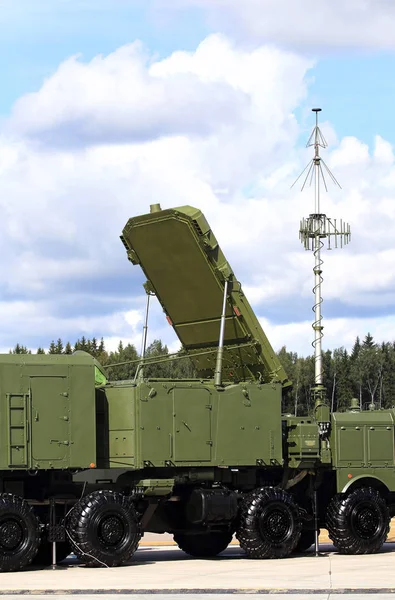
(314, 229)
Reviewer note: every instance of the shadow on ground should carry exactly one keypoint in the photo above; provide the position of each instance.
(150, 554)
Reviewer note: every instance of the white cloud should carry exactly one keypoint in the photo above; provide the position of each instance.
(297, 337)
(64, 269)
(35, 320)
(306, 24)
(78, 199)
(125, 97)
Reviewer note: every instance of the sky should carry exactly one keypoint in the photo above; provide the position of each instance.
(108, 106)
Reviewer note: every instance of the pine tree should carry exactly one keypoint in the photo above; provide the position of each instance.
(387, 387)
(20, 349)
(159, 369)
(121, 372)
(368, 342)
(356, 349)
(344, 387)
(93, 346)
(52, 348)
(59, 347)
(68, 349)
(371, 364)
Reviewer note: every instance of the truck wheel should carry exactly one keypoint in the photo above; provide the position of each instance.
(269, 525)
(19, 533)
(359, 522)
(104, 529)
(44, 554)
(203, 545)
(307, 538)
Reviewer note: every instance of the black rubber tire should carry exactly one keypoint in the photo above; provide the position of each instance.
(19, 533)
(307, 539)
(104, 529)
(359, 522)
(44, 554)
(269, 524)
(203, 545)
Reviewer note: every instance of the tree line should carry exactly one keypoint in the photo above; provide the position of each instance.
(366, 373)
(177, 369)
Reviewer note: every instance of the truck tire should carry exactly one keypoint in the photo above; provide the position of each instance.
(359, 522)
(104, 529)
(203, 545)
(19, 533)
(269, 524)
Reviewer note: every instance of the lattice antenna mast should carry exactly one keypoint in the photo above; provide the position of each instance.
(314, 229)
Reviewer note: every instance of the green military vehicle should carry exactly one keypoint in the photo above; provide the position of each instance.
(89, 465)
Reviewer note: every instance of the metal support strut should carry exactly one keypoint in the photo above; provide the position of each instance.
(144, 340)
(52, 524)
(316, 544)
(220, 352)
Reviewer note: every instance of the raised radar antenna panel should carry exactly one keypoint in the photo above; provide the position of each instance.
(316, 231)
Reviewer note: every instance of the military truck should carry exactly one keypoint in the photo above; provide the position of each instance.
(89, 465)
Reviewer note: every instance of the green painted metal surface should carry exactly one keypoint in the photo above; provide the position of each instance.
(303, 443)
(186, 269)
(165, 423)
(47, 411)
(363, 439)
(363, 447)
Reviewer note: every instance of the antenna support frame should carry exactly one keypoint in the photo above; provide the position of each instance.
(313, 232)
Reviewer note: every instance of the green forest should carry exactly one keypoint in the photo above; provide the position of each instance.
(366, 373)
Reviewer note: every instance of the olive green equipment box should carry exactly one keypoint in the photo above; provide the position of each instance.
(89, 465)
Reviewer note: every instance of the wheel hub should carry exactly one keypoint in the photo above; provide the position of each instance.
(275, 523)
(111, 530)
(365, 521)
(11, 534)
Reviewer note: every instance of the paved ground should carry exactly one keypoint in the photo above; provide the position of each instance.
(183, 596)
(167, 569)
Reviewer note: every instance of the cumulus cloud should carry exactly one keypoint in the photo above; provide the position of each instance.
(122, 98)
(102, 140)
(128, 97)
(297, 337)
(66, 199)
(302, 24)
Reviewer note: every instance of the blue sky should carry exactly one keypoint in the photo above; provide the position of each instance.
(356, 87)
(224, 124)
(38, 35)
(357, 92)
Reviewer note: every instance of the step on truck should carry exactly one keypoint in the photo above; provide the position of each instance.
(89, 465)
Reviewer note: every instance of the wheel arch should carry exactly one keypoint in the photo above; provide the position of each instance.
(366, 481)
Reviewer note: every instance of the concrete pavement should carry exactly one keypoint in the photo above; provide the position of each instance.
(167, 569)
(219, 596)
